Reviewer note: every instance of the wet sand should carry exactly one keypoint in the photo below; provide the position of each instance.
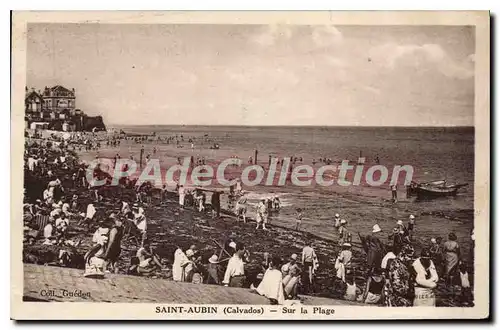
(362, 206)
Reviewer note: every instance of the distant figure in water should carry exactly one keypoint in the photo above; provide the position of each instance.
(377, 160)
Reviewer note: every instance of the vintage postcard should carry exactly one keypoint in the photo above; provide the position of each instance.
(250, 165)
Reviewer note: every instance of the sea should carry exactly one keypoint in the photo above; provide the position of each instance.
(435, 153)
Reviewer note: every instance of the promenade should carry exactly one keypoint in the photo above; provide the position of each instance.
(47, 283)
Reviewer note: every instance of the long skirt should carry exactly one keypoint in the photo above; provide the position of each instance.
(290, 284)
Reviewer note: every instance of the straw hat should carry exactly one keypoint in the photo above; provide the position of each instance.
(376, 228)
(232, 245)
(213, 259)
(433, 240)
(346, 244)
(412, 216)
(400, 222)
(189, 253)
(343, 221)
(294, 256)
(337, 215)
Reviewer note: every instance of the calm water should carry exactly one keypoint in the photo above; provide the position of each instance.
(434, 153)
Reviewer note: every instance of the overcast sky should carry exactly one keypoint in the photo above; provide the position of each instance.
(260, 75)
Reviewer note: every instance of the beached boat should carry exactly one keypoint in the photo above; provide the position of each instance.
(434, 189)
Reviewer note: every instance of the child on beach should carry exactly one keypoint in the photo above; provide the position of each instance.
(351, 291)
(466, 296)
(298, 218)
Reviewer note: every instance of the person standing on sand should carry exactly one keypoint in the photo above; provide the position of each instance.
(337, 220)
(451, 258)
(238, 186)
(394, 192)
(373, 247)
(411, 226)
(425, 280)
(241, 209)
(182, 196)
(310, 263)
(180, 262)
(235, 271)
(397, 289)
(298, 218)
(215, 201)
(213, 270)
(262, 214)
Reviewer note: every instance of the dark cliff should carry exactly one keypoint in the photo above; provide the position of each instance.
(88, 123)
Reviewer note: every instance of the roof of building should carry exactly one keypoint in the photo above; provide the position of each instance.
(32, 94)
(59, 89)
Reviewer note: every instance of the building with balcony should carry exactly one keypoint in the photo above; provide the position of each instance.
(55, 108)
(59, 99)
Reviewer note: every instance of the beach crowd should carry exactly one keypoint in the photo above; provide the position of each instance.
(59, 201)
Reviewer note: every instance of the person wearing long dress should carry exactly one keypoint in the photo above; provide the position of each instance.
(180, 262)
(271, 285)
(374, 248)
(451, 257)
(397, 289)
(182, 195)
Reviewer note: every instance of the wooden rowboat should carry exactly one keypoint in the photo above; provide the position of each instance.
(434, 189)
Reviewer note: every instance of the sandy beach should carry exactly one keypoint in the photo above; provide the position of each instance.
(361, 205)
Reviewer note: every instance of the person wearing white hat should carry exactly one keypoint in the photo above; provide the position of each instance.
(235, 271)
(213, 270)
(337, 220)
(232, 245)
(373, 247)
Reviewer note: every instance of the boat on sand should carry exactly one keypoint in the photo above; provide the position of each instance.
(434, 189)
